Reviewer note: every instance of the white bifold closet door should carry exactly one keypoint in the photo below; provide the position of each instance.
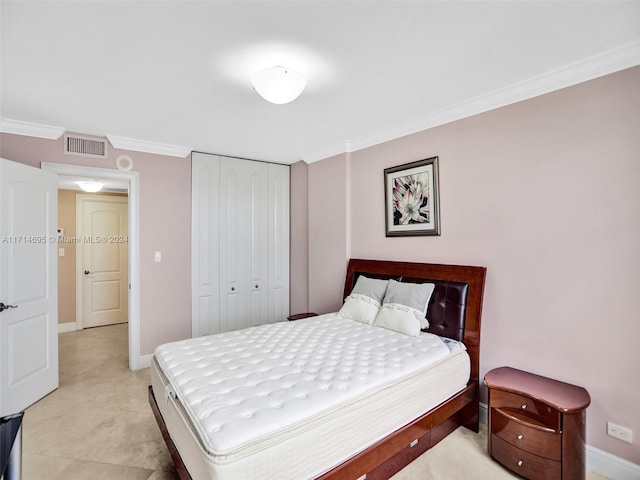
(240, 243)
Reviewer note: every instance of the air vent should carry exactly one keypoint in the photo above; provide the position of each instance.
(85, 146)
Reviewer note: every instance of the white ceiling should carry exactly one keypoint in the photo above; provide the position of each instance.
(178, 72)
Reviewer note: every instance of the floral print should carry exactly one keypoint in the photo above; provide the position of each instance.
(411, 199)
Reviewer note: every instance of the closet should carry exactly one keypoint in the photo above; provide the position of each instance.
(239, 243)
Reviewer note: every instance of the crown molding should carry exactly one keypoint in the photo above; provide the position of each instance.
(149, 147)
(29, 129)
(611, 61)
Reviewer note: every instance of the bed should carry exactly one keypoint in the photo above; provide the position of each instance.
(328, 397)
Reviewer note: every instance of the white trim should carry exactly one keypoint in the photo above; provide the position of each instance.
(67, 327)
(484, 413)
(144, 361)
(135, 361)
(149, 147)
(30, 129)
(611, 61)
(611, 466)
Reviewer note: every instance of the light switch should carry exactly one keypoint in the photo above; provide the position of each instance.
(158, 257)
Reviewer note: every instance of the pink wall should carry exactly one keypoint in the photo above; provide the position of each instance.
(328, 249)
(544, 193)
(165, 225)
(299, 233)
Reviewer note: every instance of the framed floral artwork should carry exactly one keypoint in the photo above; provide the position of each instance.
(411, 199)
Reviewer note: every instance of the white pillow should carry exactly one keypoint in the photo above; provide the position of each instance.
(360, 308)
(404, 306)
(399, 318)
(364, 301)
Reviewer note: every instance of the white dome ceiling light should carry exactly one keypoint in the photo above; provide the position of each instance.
(278, 84)
(90, 186)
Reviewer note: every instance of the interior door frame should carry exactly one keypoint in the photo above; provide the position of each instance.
(133, 179)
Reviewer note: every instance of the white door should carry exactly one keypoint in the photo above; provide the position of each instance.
(29, 284)
(205, 244)
(244, 217)
(278, 243)
(240, 243)
(102, 260)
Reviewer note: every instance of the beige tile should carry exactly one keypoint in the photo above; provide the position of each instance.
(164, 475)
(80, 470)
(99, 415)
(100, 435)
(43, 467)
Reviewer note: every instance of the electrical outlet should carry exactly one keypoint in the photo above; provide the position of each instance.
(621, 433)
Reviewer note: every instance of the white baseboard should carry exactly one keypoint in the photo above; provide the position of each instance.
(484, 413)
(67, 327)
(598, 460)
(611, 466)
(143, 361)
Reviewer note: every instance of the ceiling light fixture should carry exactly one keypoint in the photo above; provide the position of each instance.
(91, 186)
(278, 84)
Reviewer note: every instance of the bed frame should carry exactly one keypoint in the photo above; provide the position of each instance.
(454, 311)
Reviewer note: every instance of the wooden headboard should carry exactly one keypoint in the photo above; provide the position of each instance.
(455, 308)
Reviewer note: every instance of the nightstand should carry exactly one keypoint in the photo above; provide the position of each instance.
(300, 316)
(536, 424)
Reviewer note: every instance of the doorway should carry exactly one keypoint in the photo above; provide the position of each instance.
(131, 181)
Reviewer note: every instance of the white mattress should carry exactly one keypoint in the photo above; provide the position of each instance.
(294, 399)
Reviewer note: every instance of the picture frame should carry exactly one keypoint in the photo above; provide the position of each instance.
(412, 204)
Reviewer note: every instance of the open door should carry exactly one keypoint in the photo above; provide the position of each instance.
(28, 285)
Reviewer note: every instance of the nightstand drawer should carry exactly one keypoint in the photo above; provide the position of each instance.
(523, 463)
(510, 429)
(531, 410)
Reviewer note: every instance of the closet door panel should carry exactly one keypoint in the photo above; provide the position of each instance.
(240, 243)
(205, 244)
(278, 243)
(258, 281)
(234, 241)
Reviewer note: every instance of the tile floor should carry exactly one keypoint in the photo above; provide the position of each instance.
(98, 425)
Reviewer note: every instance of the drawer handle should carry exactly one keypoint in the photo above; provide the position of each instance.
(524, 406)
(520, 463)
(520, 436)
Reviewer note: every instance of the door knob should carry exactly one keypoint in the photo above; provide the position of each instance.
(87, 272)
(4, 307)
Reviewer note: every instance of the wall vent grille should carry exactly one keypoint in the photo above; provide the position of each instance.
(85, 146)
